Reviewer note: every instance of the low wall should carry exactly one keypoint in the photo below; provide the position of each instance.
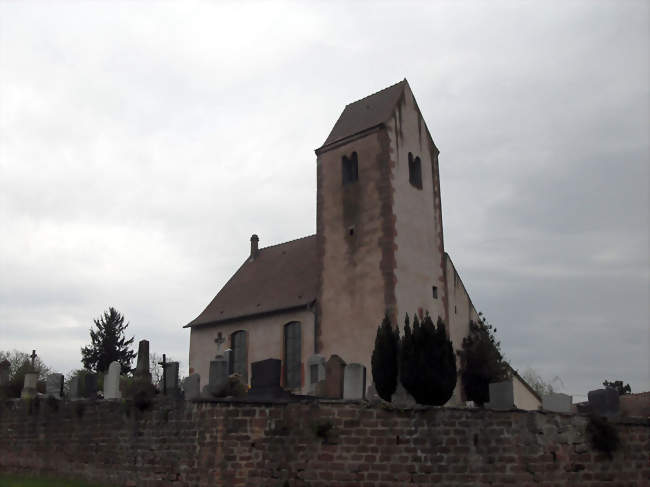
(311, 444)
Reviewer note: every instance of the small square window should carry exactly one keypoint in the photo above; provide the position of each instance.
(435, 292)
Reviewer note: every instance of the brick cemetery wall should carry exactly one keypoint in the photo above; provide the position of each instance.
(178, 443)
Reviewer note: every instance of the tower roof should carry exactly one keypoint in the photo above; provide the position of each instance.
(366, 113)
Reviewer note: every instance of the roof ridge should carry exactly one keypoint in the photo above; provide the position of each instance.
(377, 92)
(288, 241)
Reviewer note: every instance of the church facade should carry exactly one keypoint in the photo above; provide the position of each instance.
(378, 249)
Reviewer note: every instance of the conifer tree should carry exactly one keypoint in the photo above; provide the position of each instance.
(108, 344)
(384, 359)
(481, 361)
(429, 365)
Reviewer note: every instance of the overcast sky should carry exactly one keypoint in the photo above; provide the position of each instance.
(142, 143)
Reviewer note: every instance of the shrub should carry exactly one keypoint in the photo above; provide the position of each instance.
(384, 359)
(428, 366)
(481, 362)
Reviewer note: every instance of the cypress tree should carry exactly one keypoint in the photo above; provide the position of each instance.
(429, 366)
(108, 343)
(384, 359)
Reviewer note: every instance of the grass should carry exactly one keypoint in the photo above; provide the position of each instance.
(14, 481)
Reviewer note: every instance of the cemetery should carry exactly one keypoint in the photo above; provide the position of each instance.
(223, 433)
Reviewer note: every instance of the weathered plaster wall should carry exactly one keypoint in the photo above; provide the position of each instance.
(356, 271)
(259, 445)
(460, 311)
(265, 340)
(418, 221)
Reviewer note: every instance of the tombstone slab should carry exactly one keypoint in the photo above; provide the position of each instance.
(604, 402)
(54, 386)
(265, 380)
(334, 377)
(354, 381)
(502, 395)
(192, 387)
(112, 381)
(218, 378)
(29, 387)
(316, 367)
(142, 367)
(171, 377)
(90, 385)
(557, 402)
(75, 388)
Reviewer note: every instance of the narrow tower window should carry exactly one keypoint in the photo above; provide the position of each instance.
(435, 292)
(350, 168)
(239, 357)
(415, 171)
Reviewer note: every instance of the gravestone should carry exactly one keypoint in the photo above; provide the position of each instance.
(354, 381)
(557, 402)
(502, 395)
(171, 377)
(316, 368)
(192, 387)
(5, 367)
(90, 385)
(75, 387)
(29, 386)
(142, 367)
(334, 377)
(112, 381)
(604, 402)
(227, 356)
(54, 386)
(218, 378)
(401, 397)
(265, 380)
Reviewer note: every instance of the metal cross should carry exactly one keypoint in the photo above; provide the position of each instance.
(33, 357)
(164, 367)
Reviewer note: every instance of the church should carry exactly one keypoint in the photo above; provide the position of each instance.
(378, 249)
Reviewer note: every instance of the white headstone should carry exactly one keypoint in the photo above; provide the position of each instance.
(502, 395)
(316, 369)
(29, 387)
(112, 381)
(192, 387)
(557, 402)
(54, 386)
(354, 381)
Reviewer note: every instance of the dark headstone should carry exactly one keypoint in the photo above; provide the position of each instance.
(191, 387)
(75, 387)
(171, 377)
(90, 385)
(334, 377)
(265, 382)
(218, 378)
(604, 402)
(142, 368)
(54, 386)
(502, 396)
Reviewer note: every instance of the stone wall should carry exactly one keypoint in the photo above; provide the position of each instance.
(312, 444)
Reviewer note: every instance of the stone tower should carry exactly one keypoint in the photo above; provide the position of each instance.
(379, 223)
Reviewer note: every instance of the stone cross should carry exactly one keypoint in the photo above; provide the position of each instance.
(220, 340)
(33, 357)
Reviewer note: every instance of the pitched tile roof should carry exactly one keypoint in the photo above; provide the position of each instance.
(366, 113)
(281, 277)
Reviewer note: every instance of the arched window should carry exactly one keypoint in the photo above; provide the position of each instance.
(292, 355)
(350, 167)
(415, 171)
(239, 357)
